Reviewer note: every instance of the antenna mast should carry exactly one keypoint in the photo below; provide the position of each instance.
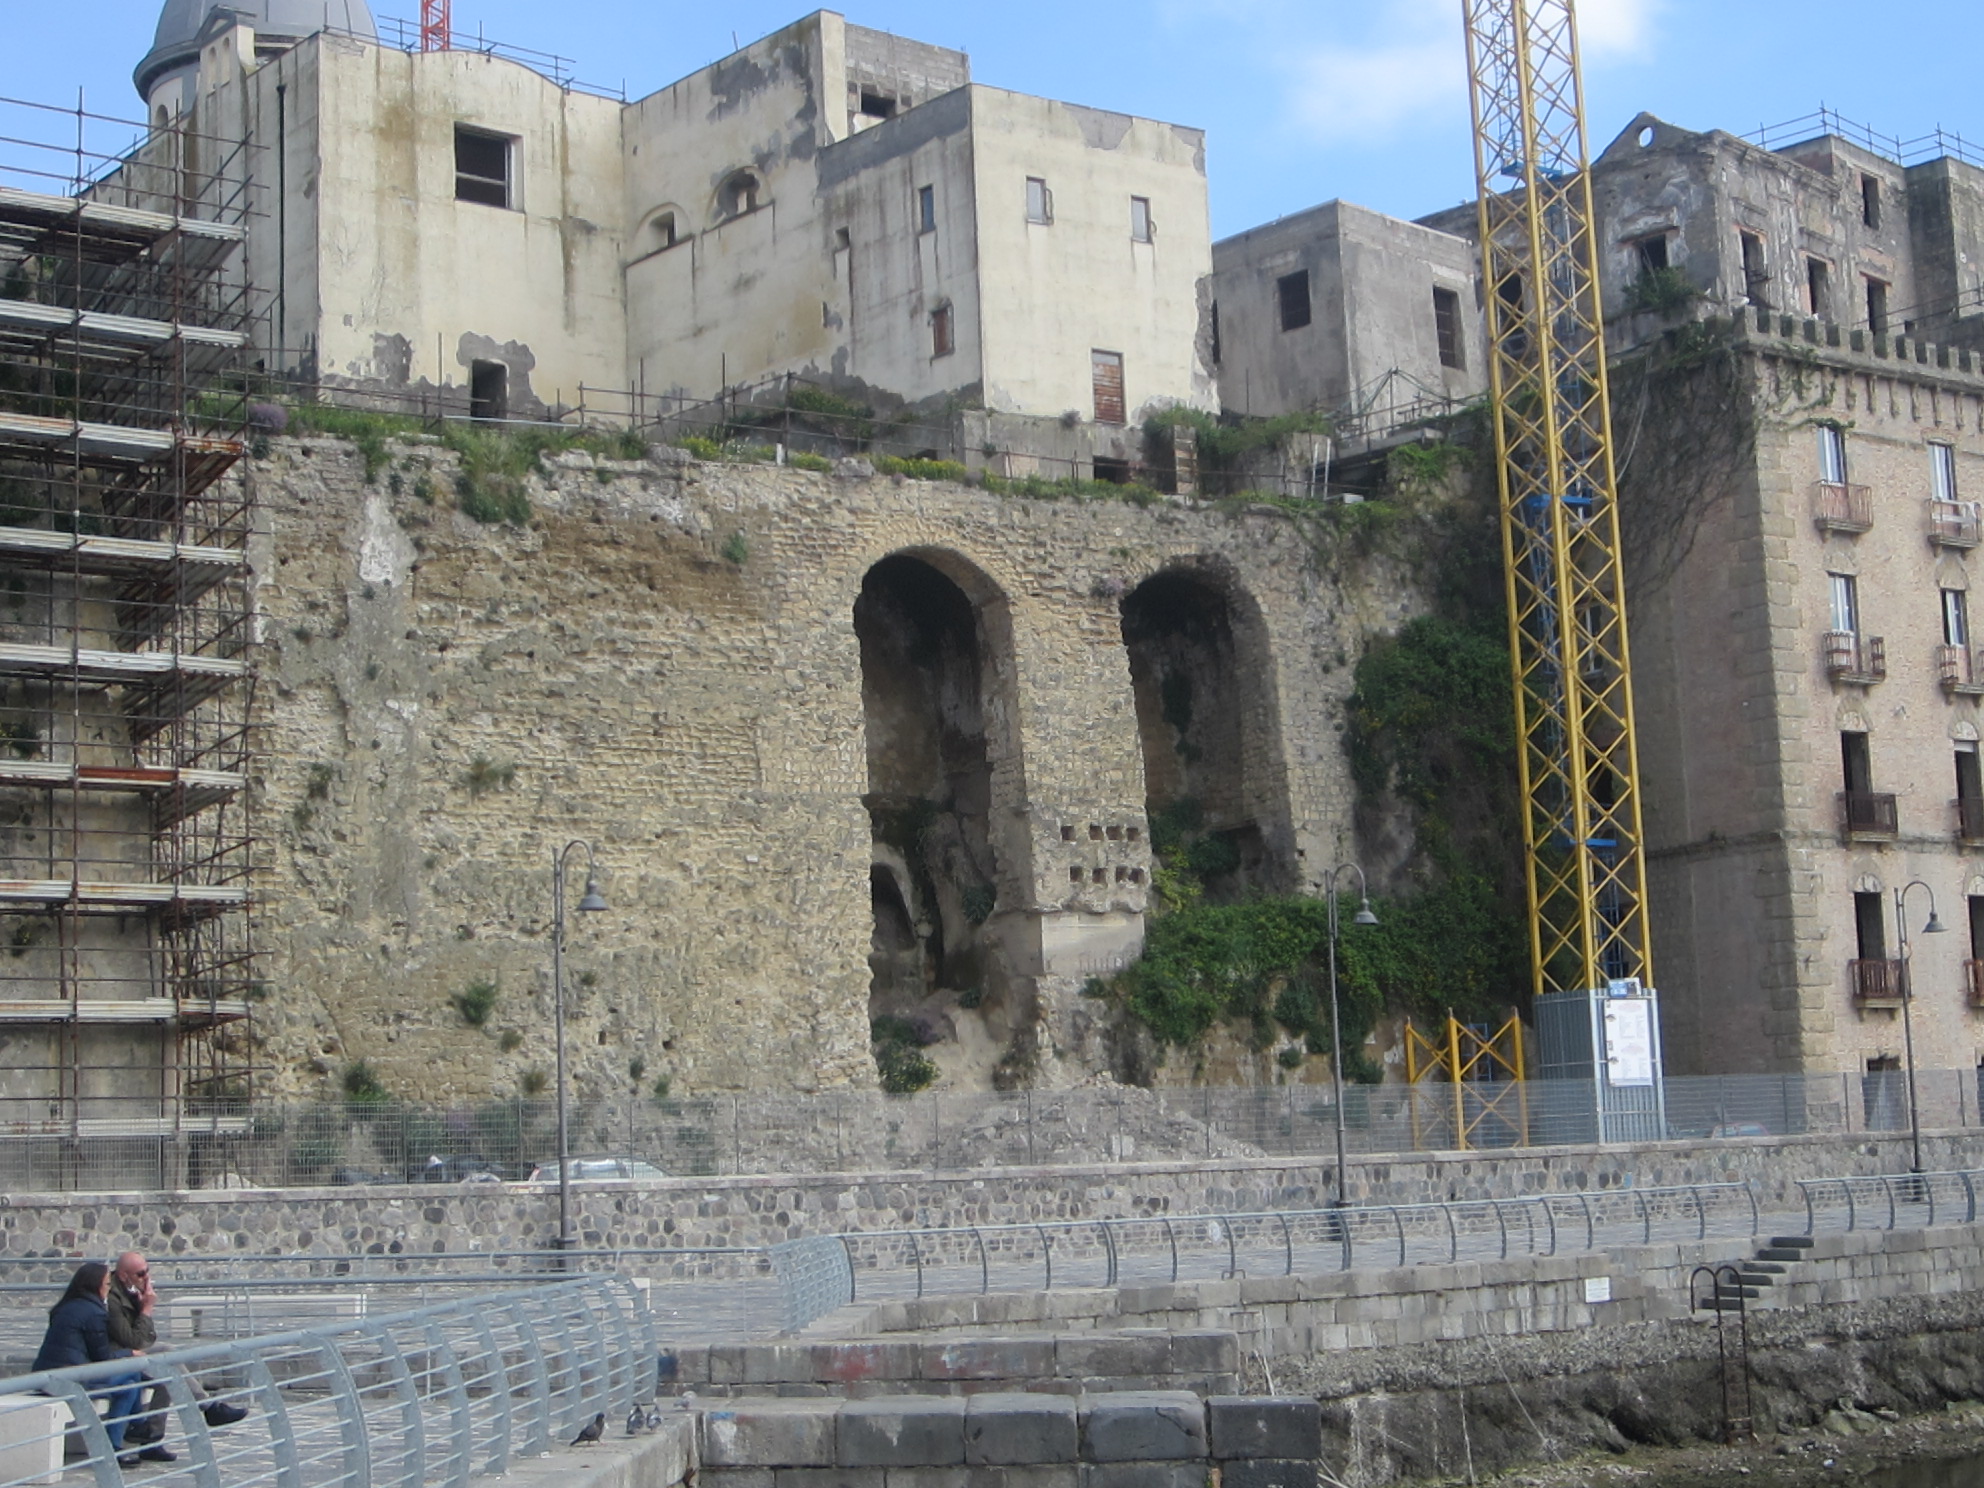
(436, 25)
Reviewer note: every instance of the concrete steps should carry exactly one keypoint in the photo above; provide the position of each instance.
(1756, 1279)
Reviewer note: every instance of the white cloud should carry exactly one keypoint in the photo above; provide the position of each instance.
(1406, 71)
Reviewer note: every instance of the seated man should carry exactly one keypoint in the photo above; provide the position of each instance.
(131, 1301)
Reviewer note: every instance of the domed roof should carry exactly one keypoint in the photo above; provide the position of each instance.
(176, 42)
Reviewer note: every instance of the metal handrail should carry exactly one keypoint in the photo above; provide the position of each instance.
(379, 1400)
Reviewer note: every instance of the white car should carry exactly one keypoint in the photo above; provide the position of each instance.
(597, 1170)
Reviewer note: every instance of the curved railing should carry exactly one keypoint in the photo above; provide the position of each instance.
(1887, 1201)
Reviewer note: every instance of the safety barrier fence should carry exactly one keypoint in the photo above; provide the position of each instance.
(434, 1395)
(329, 1144)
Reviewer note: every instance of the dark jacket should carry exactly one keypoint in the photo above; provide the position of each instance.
(78, 1333)
(129, 1327)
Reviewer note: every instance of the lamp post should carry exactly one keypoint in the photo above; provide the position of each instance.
(1934, 927)
(1362, 917)
(590, 902)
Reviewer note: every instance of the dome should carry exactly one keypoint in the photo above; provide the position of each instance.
(177, 41)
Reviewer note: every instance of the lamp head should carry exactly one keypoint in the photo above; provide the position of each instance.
(592, 902)
(1935, 926)
(1364, 915)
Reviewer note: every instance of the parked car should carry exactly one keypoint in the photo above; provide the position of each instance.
(1739, 1129)
(459, 1167)
(598, 1170)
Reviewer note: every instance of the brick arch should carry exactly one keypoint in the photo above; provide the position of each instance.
(1203, 674)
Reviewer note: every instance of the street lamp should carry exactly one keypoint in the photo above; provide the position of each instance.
(590, 902)
(1362, 917)
(1934, 927)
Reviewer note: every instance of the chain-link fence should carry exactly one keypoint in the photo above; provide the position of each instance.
(376, 1142)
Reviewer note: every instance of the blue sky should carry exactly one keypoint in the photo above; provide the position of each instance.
(1301, 101)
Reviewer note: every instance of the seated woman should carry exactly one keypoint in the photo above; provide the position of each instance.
(79, 1333)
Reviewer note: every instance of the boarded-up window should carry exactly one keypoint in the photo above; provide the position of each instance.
(1108, 369)
(941, 343)
(1446, 326)
(1140, 222)
(1292, 294)
(1039, 200)
(482, 167)
(926, 209)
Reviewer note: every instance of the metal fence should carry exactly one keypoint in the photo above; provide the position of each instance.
(433, 1395)
(856, 1131)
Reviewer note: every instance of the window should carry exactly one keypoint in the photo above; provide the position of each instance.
(1870, 931)
(877, 105)
(1107, 370)
(1117, 473)
(738, 194)
(1845, 603)
(662, 231)
(482, 167)
(1857, 763)
(1039, 200)
(1832, 454)
(1215, 333)
(1652, 253)
(926, 209)
(1870, 200)
(1446, 328)
(1969, 806)
(1141, 227)
(1291, 292)
(1942, 471)
(941, 343)
(1877, 307)
(1975, 904)
(1818, 287)
(1956, 619)
(1756, 275)
(488, 390)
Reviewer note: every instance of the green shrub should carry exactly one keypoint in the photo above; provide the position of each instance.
(736, 548)
(899, 1059)
(485, 774)
(805, 460)
(919, 469)
(476, 1002)
(362, 1085)
(701, 448)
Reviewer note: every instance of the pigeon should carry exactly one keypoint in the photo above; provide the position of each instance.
(593, 1431)
(637, 1420)
(655, 1417)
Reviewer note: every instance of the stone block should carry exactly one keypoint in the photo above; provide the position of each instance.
(735, 1477)
(1017, 1359)
(843, 1363)
(1267, 1472)
(1247, 1426)
(903, 1431)
(830, 1477)
(1144, 1426)
(1105, 1355)
(1144, 1475)
(1061, 1475)
(1205, 1351)
(756, 1432)
(1021, 1429)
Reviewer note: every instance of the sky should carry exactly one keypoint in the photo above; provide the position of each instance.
(1302, 100)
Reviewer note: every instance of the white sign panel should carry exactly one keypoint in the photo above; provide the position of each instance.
(1598, 1289)
(1628, 1041)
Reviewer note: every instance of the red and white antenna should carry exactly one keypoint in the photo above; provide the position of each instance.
(436, 25)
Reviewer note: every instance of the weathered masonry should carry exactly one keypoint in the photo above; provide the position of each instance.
(844, 744)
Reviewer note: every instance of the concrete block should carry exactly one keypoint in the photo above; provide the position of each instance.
(903, 1431)
(1144, 1426)
(32, 1431)
(1144, 1475)
(830, 1477)
(1249, 1426)
(1266, 1472)
(1021, 1429)
(735, 1477)
(1064, 1475)
(727, 1363)
(1205, 1351)
(843, 1363)
(755, 1432)
(1103, 1355)
(1017, 1359)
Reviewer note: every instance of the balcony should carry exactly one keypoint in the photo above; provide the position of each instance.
(1960, 670)
(1851, 657)
(1867, 814)
(1955, 524)
(1969, 818)
(1973, 982)
(1875, 983)
(1838, 507)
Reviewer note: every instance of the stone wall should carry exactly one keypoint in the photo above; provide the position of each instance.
(663, 660)
(750, 1211)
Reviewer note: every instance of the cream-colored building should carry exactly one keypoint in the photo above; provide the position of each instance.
(828, 202)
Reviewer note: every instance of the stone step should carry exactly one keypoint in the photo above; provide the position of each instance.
(1792, 1242)
(1765, 1268)
(1751, 1278)
(1779, 1253)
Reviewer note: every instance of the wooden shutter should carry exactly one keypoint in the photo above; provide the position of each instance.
(1108, 367)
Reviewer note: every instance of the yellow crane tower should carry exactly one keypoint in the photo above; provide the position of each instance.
(1559, 509)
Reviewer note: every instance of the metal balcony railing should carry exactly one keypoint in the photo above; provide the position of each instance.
(1840, 507)
(1969, 818)
(1852, 657)
(1868, 813)
(1877, 982)
(1955, 524)
(1973, 982)
(1959, 669)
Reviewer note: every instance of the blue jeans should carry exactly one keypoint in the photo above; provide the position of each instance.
(123, 1392)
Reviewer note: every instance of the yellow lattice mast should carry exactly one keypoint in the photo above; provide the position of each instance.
(1560, 526)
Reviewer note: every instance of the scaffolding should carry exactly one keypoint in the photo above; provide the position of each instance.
(1469, 1088)
(127, 964)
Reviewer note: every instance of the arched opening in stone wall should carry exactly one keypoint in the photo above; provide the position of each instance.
(1214, 781)
(936, 679)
